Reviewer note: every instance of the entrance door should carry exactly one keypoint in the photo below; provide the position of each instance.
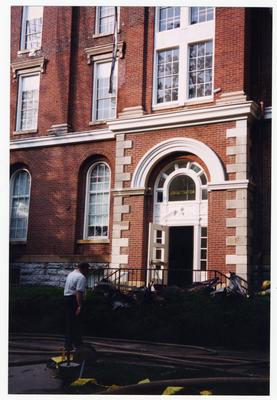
(180, 255)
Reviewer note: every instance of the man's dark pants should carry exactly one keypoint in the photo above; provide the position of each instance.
(73, 327)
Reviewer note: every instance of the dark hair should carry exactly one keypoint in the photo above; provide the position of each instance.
(84, 266)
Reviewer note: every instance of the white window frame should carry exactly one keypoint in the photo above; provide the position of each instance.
(156, 77)
(94, 95)
(181, 37)
(200, 22)
(158, 19)
(23, 45)
(188, 72)
(23, 239)
(87, 195)
(19, 103)
(195, 176)
(97, 23)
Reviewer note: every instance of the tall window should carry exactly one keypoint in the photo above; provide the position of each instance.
(104, 102)
(183, 61)
(168, 74)
(27, 105)
(201, 14)
(98, 201)
(20, 198)
(169, 18)
(105, 20)
(200, 69)
(31, 28)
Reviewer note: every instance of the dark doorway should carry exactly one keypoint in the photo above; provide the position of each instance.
(180, 255)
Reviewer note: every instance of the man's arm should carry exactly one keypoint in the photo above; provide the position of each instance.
(79, 299)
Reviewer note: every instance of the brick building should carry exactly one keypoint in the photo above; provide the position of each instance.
(170, 169)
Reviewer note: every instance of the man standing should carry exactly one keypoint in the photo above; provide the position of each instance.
(74, 290)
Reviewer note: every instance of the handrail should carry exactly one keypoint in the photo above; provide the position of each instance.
(136, 277)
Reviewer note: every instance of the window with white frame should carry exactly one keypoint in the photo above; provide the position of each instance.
(201, 14)
(203, 248)
(97, 201)
(200, 69)
(169, 18)
(105, 20)
(181, 188)
(181, 180)
(104, 104)
(27, 104)
(31, 27)
(168, 74)
(19, 203)
(187, 75)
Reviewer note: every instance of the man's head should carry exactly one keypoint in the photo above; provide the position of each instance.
(84, 268)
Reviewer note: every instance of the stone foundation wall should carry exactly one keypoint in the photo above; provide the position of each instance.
(44, 273)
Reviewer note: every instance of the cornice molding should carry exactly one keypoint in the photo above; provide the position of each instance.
(28, 65)
(129, 192)
(225, 185)
(91, 52)
(188, 117)
(191, 117)
(70, 138)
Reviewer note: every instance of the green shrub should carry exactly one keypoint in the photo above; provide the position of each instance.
(181, 317)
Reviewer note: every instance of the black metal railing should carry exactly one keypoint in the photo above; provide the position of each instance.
(128, 278)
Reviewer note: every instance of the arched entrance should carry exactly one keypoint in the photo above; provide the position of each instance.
(178, 234)
(180, 207)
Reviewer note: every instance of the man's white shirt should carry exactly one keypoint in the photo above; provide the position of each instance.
(75, 281)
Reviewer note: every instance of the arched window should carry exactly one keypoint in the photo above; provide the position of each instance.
(181, 188)
(97, 201)
(20, 199)
(181, 180)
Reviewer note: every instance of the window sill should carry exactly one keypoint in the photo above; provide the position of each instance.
(93, 241)
(191, 102)
(165, 105)
(24, 132)
(18, 241)
(26, 51)
(199, 100)
(97, 35)
(100, 121)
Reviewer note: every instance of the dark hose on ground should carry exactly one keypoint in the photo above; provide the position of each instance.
(195, 382)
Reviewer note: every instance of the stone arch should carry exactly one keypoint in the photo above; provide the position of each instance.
(179, 144)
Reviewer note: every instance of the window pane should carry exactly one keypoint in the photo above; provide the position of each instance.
(20, 188)
(168, 75)
(203, 179)
(32, 27)
(106, 19)
(105, 102)
(195, 168)
(200, 69)
(169, 18)
(98, 200)
(201, 14)
(204, 194)
(182, 188)
(28, 105)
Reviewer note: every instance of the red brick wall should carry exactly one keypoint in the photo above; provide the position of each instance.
(213, 135)
(57, 198)
(67, 84)
(56, 211)
(229, 49)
